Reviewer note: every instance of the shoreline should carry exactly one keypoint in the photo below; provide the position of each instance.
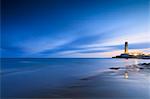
(78, 79)
(111, 83)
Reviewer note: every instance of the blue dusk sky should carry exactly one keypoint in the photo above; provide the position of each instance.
(73, 28)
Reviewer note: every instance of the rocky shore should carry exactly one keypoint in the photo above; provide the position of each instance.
(137, 66)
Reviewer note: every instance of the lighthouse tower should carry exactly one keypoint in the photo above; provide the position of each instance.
(126, 48)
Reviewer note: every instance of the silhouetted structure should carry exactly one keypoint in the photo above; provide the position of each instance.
(126, 48)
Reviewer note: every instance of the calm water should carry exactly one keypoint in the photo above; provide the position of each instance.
(44, 77)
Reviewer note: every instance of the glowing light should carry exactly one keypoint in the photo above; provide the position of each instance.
(136, 53)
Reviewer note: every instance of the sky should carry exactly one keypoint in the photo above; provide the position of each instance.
(73, 28)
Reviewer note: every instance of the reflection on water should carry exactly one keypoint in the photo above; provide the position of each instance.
(126, 75)
(130, 68)
(45, 77)
(135, 61)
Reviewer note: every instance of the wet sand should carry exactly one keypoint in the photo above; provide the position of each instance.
(75, 79)
(130, 82)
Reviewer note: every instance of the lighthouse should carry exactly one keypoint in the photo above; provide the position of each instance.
(126, 48)
(127, 55)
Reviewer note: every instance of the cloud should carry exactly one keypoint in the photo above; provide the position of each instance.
(141, 45)
(89, 46)
(89, 29)
(42, 44)
(101, 51)
(104, 54)
(12, 51)
(130, 37)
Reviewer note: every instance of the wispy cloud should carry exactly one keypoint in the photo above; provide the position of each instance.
(96, 29)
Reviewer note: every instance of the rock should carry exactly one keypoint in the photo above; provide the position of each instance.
(147, 64)
(115, 68)
(141, 68)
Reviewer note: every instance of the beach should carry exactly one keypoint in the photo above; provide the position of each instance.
(102, 78)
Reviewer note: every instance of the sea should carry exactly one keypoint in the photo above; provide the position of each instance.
(61, 78)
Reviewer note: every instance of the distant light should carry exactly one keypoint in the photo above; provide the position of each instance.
(135, 54)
